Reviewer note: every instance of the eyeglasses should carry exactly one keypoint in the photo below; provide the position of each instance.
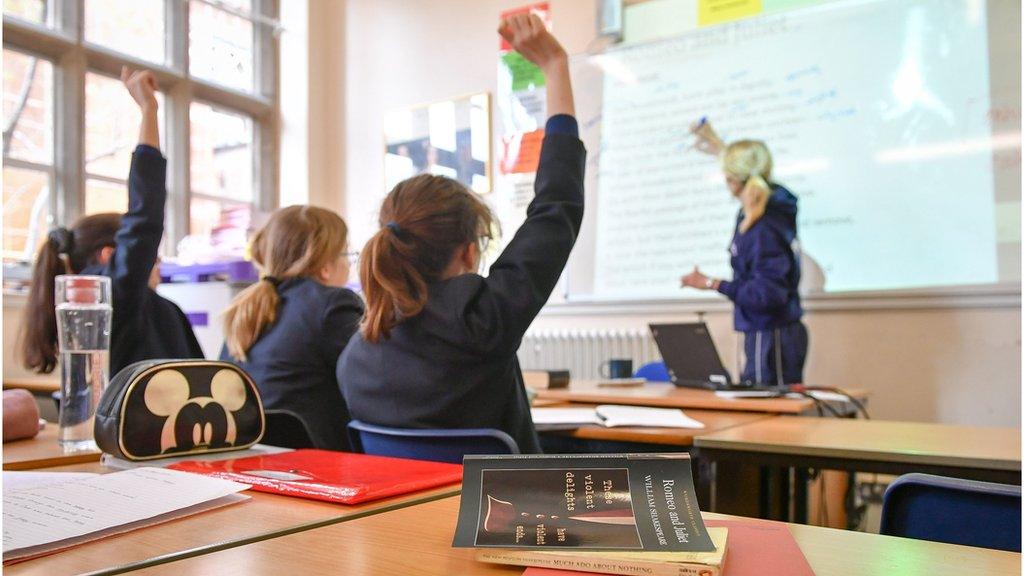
(352, 257)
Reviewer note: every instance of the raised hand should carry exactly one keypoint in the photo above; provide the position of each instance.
(141, 84)
(528, 35)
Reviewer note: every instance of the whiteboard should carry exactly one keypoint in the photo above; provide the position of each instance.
(896, 123)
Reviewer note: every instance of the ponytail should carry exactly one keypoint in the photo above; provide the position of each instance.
(424, 221)
(64, 252)
(754, 198)
(297, 241)
(39, 339)
(393, 287)
(249, 314)
(750, 161)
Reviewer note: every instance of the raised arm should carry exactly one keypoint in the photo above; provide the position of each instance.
(142, 227)
(523, 277)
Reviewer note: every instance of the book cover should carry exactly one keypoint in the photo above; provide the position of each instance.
(759, 547)
(340, 477)
(592, 501)
(546, 379)
(627, 563)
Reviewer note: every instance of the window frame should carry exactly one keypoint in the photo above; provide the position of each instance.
(72, 57)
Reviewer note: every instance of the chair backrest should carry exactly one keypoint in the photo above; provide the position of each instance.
(953, 511)
(654, 372)
(448, 445)
(287, 430)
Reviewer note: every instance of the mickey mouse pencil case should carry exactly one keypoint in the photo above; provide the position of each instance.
(158, 408)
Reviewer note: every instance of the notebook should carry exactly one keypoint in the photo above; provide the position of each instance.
(340, 477)
(611, 415)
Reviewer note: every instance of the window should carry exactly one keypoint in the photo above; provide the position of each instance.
(111, 133)
(30, 10)
(222, 174)
(221, 44)
(214, 110)
(27, 151)
(134, 27)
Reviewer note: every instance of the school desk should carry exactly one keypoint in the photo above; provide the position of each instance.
(417, 540)
(43, 451)
(666, 395)
(989, 454)
(263, 516)
(34, 386)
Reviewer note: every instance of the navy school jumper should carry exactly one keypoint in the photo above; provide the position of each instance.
(454, 365)
(766, 275)
(293, 360)
(145, 325)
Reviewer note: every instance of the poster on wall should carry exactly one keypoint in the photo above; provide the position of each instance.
(449, 138)
(522, 102)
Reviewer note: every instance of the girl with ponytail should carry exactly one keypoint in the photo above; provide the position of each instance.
(437, 347)
(765, 262)
(125, 248)
(288, 329)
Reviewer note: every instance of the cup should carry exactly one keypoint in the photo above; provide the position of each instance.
(83, 309)
(617, 368)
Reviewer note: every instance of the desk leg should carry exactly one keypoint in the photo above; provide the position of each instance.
(800, 495)
(713, 485)
(765, 495)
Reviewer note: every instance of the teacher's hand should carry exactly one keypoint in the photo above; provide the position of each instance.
(697, 280)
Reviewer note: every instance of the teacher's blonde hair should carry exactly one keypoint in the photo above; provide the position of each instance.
(750, 161)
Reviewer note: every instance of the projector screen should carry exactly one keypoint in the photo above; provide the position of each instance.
(896, 123)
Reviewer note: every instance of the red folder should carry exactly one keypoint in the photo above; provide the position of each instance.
(340, 477)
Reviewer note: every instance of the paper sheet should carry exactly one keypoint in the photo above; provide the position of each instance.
(44, 516)
(610, 415)
(14, 480)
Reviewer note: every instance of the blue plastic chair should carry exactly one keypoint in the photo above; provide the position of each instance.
(953, 511)
(654, 372)
(287, 430)
(429, 444)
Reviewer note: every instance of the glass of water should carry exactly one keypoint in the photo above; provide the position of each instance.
(84, 313)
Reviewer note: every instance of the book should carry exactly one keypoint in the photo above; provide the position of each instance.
(546, 379)
(340, 477)
(610, 415)
(760, 547)
(49, 517)
(629, 563)
(594, 501)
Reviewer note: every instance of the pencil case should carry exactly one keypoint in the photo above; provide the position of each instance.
(158, 408)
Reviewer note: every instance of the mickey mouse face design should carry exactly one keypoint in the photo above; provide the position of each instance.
(200, 422)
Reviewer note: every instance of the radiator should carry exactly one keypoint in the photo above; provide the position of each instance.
(583, 351)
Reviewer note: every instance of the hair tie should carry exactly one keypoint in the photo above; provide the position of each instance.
(394, 227)
(62, 239)
(275, 282)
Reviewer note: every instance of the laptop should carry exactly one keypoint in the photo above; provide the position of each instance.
(693, 361)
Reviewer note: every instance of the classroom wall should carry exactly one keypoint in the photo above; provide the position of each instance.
(952, 365)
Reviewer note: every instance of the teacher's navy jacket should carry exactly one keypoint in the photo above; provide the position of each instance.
(454, 364)
(766, 267)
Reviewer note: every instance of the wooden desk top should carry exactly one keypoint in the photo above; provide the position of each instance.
(910, 442)
(665, 395)
(714, 421)
(263, 516)
(43, 451)
(34, 386)
(417, 540)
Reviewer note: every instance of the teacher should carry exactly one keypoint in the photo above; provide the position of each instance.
(765, 261)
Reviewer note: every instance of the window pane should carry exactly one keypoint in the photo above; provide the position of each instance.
(111, 126)
(26, 209)
(134, 27)
(220, 46)
(103, 196)
(28, 108)
(223, 222)
(222, 160)
(31, 10)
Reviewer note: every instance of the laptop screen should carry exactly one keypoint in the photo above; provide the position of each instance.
(690, 354)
